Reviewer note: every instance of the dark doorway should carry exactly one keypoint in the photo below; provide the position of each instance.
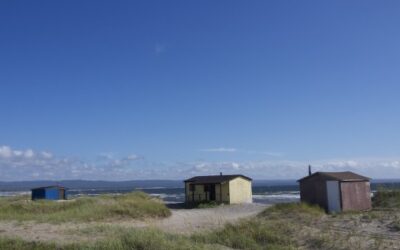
(212, 192)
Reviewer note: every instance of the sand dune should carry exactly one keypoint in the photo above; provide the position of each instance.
(182, 221)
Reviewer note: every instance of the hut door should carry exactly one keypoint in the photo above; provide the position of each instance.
(212, 192)
(333, 196)
(61, 194)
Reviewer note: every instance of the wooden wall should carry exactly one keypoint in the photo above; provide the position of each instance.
(356, 195)
(313, 191)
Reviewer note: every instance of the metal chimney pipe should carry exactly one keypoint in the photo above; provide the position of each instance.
(309, 169)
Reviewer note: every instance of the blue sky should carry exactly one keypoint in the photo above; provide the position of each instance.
(169, 89)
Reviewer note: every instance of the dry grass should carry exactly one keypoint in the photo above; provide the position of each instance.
(282, 226)
(133, 205)
(301, 226)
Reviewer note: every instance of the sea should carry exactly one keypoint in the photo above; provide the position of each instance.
(264, 191)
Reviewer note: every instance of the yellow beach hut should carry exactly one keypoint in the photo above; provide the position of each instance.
(230, 189)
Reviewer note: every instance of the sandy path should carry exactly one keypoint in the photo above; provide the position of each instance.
(187, 221)
(183, 221)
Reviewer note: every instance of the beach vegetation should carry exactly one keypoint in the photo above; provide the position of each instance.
(386, 198)
(281, 226)
(134, 205)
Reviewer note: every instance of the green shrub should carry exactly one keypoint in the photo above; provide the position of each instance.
(396, 225)
(385, 198)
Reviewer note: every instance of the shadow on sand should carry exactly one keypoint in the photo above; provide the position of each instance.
(180, 205)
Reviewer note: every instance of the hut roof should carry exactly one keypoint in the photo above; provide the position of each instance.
(338, 176)
(214, 178)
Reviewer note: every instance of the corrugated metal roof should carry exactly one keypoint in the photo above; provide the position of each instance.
(339, 176)
(215, 178)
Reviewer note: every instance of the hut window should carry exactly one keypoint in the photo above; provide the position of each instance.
(191, 187)
(206, 188)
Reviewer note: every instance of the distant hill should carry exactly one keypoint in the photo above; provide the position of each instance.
(134, 184)
(85, 184)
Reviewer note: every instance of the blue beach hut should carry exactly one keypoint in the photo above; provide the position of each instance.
(49, 193)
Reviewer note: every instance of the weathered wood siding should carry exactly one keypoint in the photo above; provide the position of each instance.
(200, 195)
(356, 195)
(313, 191)
(240, 191)
(197, 195)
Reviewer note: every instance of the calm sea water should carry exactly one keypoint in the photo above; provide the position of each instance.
(266, 194)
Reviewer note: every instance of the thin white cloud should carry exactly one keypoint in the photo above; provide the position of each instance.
(47, 154)
(133, 157)
(107, 156)
(8, 152)
(5, 152)
(29, 153)
(40, 165)
(31, 165)
(220, 150)
(250, 152)
(374, 168)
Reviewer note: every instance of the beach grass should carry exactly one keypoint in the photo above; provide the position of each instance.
(249, 234)
(18, 244)
(294, 209)
(386, 198)
(281, 226)
(260, 232)
(116, 239)
(134, 205)
(271, 229)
